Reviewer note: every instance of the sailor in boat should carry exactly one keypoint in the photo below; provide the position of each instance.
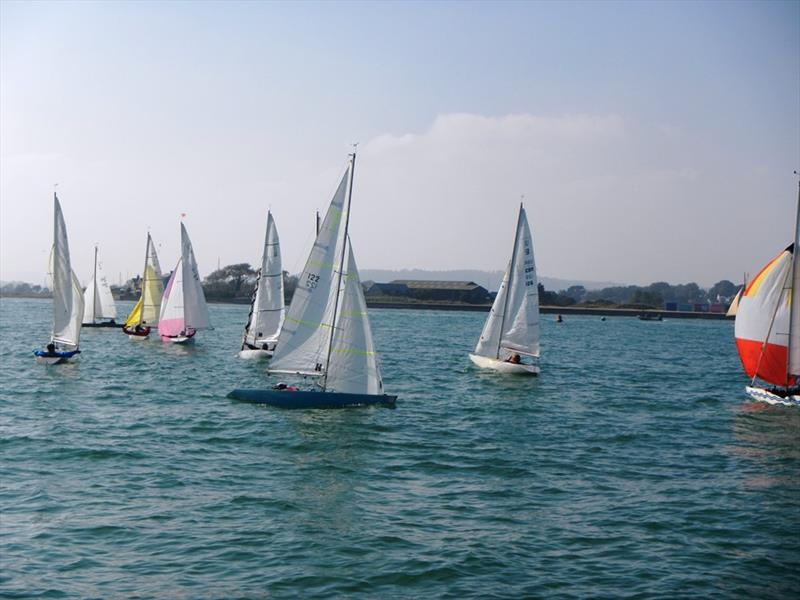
(559, 319)
(784, 392)
(286, 388)
(51, 350)
(137, 330)
(514, 359)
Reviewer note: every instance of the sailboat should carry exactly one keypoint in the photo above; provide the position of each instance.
(326, 335)
(767, 328)
(183, 309)
(67, 298)
(100, 309)
(144, 315)
(509, 342)
(266, 311)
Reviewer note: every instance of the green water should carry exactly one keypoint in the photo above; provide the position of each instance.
(635, 466)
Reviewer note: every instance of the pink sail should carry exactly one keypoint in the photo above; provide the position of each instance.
(172, 322)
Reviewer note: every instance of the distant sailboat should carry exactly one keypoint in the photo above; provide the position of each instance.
(326, 334)
(100, 309)
(144, 315)
(67, 298)
(767, 328)
(266, 311)
(509, 342)
(183, 310)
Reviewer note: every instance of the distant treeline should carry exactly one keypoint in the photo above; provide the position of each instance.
(237, 282)
(655, 295)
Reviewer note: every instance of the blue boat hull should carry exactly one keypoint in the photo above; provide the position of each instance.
(306, 399)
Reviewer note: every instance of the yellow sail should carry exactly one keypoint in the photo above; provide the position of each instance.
(152, 290)
(134, 318)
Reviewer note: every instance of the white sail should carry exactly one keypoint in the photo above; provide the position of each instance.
(794, 312)
(305, 336)
(67, 292)
(353, 365)
(98, 301)
(513, 323)
(267, 312)
(171, 321)
(194, 299)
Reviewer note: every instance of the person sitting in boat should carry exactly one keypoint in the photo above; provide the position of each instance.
(51, 350)
(559, 319)
(514, 359)
(283, 387)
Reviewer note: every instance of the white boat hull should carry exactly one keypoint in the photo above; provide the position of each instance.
(763, 395)
(504, 367)
(138, 337)
(178, 339)
(255, 354)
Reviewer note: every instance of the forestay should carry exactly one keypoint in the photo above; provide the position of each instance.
(267, 312)
(303, 342)
(513, 322)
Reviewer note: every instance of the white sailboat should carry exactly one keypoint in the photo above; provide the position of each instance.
(267, 309)
(100, 310)
(509, 342)
(67, 298)
(183, 309)
(326, 334)
(144, 315)
(767, 328)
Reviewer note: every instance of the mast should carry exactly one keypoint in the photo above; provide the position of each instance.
(144, 277)
(508, 291)
(94, 280)
(341, 268)
(53, 262)
(317, 230)
(791, 361)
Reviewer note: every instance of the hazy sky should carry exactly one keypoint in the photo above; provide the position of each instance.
(652, 141)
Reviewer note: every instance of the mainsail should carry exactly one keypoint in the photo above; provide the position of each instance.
(326, 332)
(267, 312)
(67, 292)
(513, 322)
(147, 309)
(98, 300)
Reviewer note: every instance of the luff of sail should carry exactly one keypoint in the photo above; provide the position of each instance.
(513, 322)
(762, 322)
(304, 339)
(794, 309)
(67, 292)
(353, 365)
(267, 312)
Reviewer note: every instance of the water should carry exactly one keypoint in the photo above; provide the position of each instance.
(634, 467)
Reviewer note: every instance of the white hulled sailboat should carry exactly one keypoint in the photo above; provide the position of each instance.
(266, 311)
(509, 342)
(183, 309)
(100, 310)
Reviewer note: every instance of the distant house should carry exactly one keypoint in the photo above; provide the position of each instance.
(431, 291)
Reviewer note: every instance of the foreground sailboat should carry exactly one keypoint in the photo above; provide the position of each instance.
(144, 315)
(509, 342)
(183, 310)
(100, 309)
(67, 299)
(266, 312)
(326, 334)
(767, 327)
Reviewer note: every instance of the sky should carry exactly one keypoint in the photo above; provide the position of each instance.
(648, 141)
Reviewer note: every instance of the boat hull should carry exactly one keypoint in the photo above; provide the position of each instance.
(311, 399)
(255, 354)
(45, 358)
(504, 367)
(763, 395)
(178, 339)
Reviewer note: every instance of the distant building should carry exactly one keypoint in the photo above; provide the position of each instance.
(432, 291)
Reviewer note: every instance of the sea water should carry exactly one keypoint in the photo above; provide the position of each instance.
(635, 466)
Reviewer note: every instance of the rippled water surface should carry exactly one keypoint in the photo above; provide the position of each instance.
(635, 466)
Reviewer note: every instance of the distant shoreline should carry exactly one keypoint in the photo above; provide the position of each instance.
(547, 310)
